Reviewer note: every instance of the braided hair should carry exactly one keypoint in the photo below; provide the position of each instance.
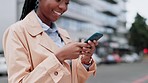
(29, 5)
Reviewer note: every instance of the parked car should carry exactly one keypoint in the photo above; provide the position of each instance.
(3, 66)
(117, 58)
(127, 58)
(136, 56)
(130, 58)
(112, 58)
(109, 59)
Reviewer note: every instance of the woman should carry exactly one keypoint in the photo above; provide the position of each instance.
(37, 51)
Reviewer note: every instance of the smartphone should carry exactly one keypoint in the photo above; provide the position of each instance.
(96, 36)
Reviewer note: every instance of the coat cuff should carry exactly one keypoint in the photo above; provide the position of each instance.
(91, 70)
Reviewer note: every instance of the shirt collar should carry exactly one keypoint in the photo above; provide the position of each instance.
(46, 27)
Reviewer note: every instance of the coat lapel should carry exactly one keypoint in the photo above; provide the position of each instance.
(34, 29)
(48, 43)
(64, 35)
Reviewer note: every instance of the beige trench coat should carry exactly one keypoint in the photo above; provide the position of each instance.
(30, 58)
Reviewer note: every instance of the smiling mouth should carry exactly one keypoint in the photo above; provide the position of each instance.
(57, 13)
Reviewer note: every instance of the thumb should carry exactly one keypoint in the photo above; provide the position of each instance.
(82, 44)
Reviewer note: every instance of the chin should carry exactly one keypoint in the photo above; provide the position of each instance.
(53, 20)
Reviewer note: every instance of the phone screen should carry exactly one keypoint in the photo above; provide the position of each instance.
(96, 36)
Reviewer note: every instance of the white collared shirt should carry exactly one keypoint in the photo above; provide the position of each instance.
(52, 32)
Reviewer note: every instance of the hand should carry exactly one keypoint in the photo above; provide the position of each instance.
(91, 48)
(71, 51)
(88, 52)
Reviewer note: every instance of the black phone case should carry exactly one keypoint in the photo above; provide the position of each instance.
(96, 36)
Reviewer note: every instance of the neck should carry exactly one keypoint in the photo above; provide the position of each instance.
(44, 19)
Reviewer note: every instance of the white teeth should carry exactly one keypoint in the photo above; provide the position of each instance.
(57, 13)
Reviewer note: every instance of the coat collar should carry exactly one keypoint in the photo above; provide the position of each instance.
(34, 28)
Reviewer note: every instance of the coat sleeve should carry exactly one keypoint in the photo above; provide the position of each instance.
(20, 68)
(80, 74)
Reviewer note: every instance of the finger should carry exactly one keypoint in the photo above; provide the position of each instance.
(82, 52)
(77, 49)
(95, 42)
(86, 49)
(88, 54)
(81, 44)
(82, 40)
(92, 44)
(93, 47)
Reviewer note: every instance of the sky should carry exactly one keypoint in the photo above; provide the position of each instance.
(134, 7)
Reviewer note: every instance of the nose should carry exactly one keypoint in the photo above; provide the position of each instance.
(63, 6)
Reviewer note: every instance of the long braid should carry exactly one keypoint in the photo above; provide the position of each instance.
(29, 5)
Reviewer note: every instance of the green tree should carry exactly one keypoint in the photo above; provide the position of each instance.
(139, 33)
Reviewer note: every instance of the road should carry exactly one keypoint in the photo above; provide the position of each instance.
(116, 73)
(121, 73)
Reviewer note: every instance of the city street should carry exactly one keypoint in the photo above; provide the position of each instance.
(116, 73)
(122, 73)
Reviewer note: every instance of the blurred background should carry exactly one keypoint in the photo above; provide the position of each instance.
(123, 50)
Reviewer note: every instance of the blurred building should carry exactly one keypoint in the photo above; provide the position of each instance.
(7, 16)
(84, 17)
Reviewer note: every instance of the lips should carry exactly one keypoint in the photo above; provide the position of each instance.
(58, 13)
